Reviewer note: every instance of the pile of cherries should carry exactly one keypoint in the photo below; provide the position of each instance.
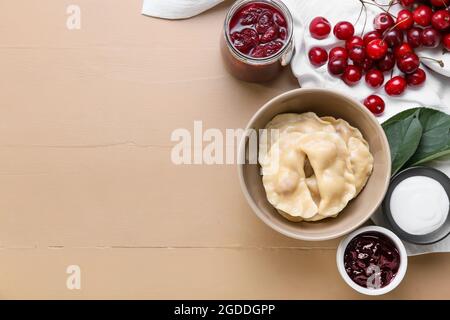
(423, 23)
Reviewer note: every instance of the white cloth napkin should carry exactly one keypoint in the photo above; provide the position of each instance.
(176, 9)
(435, 93)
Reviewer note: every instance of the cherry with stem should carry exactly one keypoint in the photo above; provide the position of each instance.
(440, 62)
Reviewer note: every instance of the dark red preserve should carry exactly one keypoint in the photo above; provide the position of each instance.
(258, 30)
(371, 259)
(257, 40)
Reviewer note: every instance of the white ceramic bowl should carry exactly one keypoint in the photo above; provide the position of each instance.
(401, 271)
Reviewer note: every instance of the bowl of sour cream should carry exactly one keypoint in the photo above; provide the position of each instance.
(417, 205)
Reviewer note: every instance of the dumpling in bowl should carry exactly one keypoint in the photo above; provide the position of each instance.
(360, 157)
(290, 122)
(286, 186)
(313, 188)
(284, 179)
(329, 158)
(312, 167)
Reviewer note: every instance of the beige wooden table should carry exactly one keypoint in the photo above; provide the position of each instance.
(86, 177)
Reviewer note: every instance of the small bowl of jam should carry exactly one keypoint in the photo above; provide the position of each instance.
(257, 39)
(372, 260)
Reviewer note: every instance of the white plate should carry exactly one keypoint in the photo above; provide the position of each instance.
(438, 54)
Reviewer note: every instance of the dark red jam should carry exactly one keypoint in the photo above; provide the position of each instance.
(372, 260)
(258, 30)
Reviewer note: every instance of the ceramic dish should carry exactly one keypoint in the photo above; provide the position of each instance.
(429, 238)
(400, 273)
(437, 54)
(324, 103)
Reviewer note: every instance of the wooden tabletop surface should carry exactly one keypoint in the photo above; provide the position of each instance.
(86, 177)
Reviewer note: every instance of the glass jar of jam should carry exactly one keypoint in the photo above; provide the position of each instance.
(257, 39)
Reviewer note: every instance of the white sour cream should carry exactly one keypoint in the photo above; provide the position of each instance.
(419, 205)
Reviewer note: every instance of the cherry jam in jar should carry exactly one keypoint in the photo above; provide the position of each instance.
(257, 40)
(372, 259)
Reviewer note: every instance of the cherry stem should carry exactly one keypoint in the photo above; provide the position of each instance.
(360, 13)
(440, 62)
(365, 21)
(379, 7)
(389, 5)
(363, 8)
(391, 28)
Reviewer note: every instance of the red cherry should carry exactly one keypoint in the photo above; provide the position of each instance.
(344, 30)
(406, 3)
(273, 47)
(319, 28)
(283, 33)
(441, 20)
(372, 35)
(446, 41)
(413, 37)
(366, 64)
(279, 19)
(376, 49)
(403, 49)
(244, 40)
(338, 52)
(395, 86)
(352, 75)
(387, 63)
(318, 56)
(405, 20)
(354, 41)
(422, 15)
(382, 22)
(259, 52)
(265, 21)
(416, 78)
(267, 49)
(250, 15)
(409, 63)
(393, 37)
(270, 34)
(357, 53)
(440, 3)
(375, 78)
(337, 66)
(430, 37)
(375, 104)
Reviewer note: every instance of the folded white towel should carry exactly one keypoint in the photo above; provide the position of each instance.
(435, 93)
(176, 9)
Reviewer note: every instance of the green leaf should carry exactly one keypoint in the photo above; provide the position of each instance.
(435, 140)
(404, 134)
(400, 116)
